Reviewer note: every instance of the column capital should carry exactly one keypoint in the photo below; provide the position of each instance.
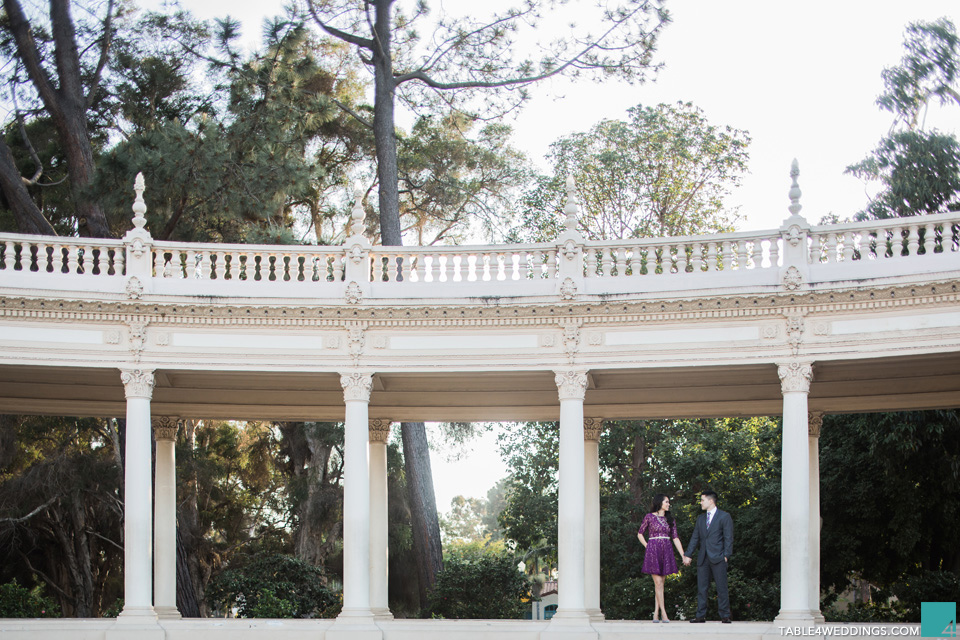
(795, 376)
(137, 383)
(572, 385)
(356, 385)
(592, 428)
(165, 427)
(814, 423)
(379, 430)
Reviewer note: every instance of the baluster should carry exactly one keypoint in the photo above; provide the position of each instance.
(913, 240)
(899, 241)
(725, 259)
(551, 263)
(449, 267)
(103, 261)
(56, 258)
(158, 263)
(118, 262)
(9, 256)
(774, 252)
(636, 261)
(606, 262)
(435, 267)
(741, 252)
(696, 258)
(590, 259)
(73, 259)
(929, 239)
(711, 256)
(847, 246)
(41, 257)
(756, 254)
(681, 259)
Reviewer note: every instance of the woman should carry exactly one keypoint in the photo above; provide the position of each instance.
(658, 561)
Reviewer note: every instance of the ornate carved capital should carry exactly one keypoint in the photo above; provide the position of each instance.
(792, 279)
(814, 423)
(353, 294)
(380, 430)
(134, 287)
(592, 428)
(795, 376)
(356, 386)
(137, 383)
(571, 384)
(165, 427)
(568, 290)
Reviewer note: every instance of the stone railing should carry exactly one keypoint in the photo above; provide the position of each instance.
(795, 256)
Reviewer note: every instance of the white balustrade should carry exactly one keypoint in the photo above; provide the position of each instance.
(66, 256)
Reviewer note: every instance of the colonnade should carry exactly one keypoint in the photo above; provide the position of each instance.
(150, 580)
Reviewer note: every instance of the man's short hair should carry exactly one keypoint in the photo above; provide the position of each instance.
(710, 494)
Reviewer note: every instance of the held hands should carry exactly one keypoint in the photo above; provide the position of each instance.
(686, 561)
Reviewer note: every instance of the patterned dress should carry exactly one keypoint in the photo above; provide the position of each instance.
(658, 559)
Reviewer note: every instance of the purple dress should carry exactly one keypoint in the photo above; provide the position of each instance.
(659, 559)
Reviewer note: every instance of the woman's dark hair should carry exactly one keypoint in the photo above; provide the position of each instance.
(657, 501)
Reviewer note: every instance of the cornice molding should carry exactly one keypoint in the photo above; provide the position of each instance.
(514, 311)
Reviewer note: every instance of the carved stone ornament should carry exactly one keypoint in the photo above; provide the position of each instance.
(792, 279)
(571, 339)
(356, 254)
(814, 423)
(568, 290)
(134, 288)
(795, 333)
(353, 294)
(380, 430)
(165, 427)
(794, 233)
(356, 386)
(769, 331)
(112, 337)
(333, 342)
(163, 339)
(380, 342)
(138, 335)
(569, 250)
(821, 329)
(595, 338)
(137, 248)
(355, 342)
(572, 385)
(795, 376)
(137, 383)
(592, 428)
(548, 340)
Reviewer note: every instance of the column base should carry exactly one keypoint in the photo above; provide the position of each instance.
(354, 624)
(795, 617)
(167, 613)
(570, 628)
(136, 627)
(596, 615)
(381, 614)
(818, 618)
(137, 615)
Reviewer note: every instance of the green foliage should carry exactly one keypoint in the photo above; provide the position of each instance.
(479, 581)
(20, 602)
(665, 171)
(867, 612)
(273, 586)
(929, 586)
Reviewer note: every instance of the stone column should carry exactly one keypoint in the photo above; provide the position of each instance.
(795, 378)
(356, 500)
(591, 533)
(137, 524)
(572, 386)
(815, 421)
(165, 519)
(379, 553)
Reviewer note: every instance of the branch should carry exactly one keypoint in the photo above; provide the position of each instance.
(26, 139)
(45, 577)
(27, 48)
(337, 33)
(104, 538)
(104, 50)
(32, 513)
(65, 50)
(351, 112)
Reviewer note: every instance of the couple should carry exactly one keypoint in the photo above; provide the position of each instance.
(713, 533)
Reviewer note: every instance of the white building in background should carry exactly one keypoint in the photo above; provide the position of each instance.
(800, 321)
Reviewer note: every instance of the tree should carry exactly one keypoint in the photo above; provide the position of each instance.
(465, 54)
(918, 171)
(66, 96)
(664, 171)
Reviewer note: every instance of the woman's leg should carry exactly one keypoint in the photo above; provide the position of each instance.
(658, 597)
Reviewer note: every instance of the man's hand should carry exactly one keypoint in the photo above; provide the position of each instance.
(686, 561)
(724, 559)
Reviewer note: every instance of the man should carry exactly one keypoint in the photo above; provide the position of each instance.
(714, 535)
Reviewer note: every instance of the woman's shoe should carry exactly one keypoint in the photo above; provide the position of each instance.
(655, 617)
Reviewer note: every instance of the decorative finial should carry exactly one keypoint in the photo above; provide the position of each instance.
(139, 206)
(571, 208)
(795, 192)
(357, 215)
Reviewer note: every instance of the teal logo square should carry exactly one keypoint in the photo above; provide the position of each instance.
(938, 619)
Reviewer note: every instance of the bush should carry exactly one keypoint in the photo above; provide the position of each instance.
(274, 586)
(20, 602)
(931, 586)
(482, 586)
(879, 611)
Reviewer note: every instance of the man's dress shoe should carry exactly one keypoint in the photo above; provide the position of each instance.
(699, 620)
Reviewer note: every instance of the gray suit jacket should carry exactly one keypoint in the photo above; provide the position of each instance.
(715, 544)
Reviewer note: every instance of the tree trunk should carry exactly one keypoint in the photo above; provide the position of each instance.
(637, 463)
(66, 104)
(188, 531)
(423, 506)
(384, 133)
(188, 604)
(25, 210)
